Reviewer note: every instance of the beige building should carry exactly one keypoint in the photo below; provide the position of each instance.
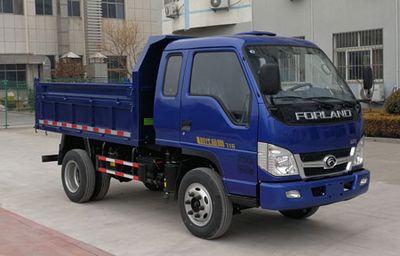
(35, 33)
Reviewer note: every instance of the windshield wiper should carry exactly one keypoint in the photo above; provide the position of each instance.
(315, 99)
(350, 103)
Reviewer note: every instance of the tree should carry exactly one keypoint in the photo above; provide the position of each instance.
(69, 69)
(122, 39)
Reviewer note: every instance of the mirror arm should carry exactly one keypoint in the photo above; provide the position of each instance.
(271, 103)
(364, 100)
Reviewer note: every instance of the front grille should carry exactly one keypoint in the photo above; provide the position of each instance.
(313, 164)
(317, 156)
(319, 171)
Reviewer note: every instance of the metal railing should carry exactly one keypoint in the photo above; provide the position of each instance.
(84, 80)
(16, 104)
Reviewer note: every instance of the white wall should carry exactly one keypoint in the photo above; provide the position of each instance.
(148, 15)
(318, 20)
(201, 17)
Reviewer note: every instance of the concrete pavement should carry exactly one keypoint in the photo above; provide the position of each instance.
(134, 221)
(16, 119)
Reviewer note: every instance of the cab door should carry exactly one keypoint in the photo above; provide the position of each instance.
(219, 116)
(167, 100)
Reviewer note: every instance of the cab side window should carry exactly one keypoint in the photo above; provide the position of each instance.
(172, 75)
(220, 75)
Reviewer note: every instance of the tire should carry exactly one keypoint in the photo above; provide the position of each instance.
(205, 208)
(101, 187)
(153, 187)
(300, 213)
(78, 176)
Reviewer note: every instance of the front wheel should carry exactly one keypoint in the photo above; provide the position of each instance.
(205, 208)
(300, 213)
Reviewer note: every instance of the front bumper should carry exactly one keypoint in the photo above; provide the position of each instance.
(313, 193)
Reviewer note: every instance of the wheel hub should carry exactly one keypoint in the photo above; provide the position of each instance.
(195, 205)
(198, 204)
(71, 176)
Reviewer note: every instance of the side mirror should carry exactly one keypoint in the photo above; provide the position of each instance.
(368, 78)
(270, 79)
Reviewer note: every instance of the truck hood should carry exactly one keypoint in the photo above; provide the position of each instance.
(306, 138)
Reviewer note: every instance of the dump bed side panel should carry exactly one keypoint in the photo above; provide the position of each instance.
(98, 111)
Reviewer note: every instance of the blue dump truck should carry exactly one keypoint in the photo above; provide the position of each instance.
(221, 124)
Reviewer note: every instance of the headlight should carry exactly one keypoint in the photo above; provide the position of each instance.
(276, 160)
(359, 153)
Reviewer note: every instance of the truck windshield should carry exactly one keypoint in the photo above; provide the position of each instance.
(306, 73)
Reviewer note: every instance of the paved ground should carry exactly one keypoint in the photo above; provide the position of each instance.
(134, 221)
(16, 119)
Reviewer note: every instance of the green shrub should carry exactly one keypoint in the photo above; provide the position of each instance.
(392, 103)
(380, 124)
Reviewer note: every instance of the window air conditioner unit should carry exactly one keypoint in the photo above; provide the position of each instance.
(220, 4)
(171, 11)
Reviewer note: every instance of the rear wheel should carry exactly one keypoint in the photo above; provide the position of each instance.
(101, 187)
(205, 208)
(78, 176)
(300, 213)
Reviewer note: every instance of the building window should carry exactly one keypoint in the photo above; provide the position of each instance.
(74, 8)
(44, 7)
(113, 9)
(355, 50)
(13, 72)
(12, 6)
(116, 66)
(6, 6)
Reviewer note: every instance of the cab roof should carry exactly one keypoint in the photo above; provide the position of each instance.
(237, 41)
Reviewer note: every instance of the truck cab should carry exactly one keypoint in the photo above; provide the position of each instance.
(271, 112)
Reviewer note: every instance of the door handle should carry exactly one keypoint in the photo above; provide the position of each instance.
(186, 125)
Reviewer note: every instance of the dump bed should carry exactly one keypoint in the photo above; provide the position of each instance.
(120, 113)
(98, 111)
